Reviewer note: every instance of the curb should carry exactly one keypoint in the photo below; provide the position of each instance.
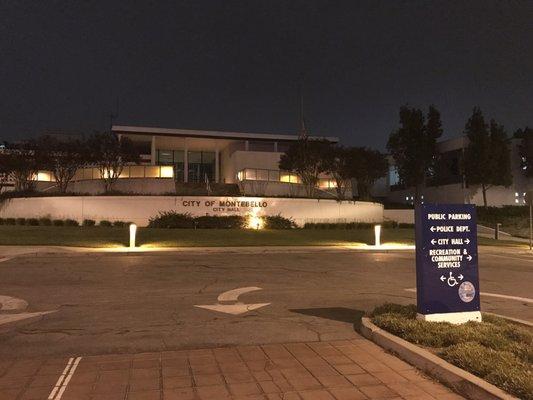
(461, 381)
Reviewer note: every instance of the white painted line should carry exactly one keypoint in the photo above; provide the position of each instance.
(64, 379)
(68, 378)
(60, 380)
(233, 295)
(501, 296)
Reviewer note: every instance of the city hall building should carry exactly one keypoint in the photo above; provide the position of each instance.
(199, 162)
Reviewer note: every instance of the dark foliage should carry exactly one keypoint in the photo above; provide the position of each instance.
(171, 220)
(278, 222)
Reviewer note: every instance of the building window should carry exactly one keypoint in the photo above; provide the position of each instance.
(201, 166)
(174, 158)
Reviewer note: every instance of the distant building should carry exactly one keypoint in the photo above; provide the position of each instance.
(449, 187)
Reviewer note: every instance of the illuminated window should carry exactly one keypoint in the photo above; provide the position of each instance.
(327, 183)
(45, 176)
(288, 177)
(167, 171)
(250, 174)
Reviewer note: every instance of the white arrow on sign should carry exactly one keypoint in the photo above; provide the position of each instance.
(469, 257)
(461, 276)
(231, 296)
(432, 229)
(433, 241)
(467, 241)
(442, 278)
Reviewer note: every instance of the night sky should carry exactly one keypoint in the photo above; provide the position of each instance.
(237, 65)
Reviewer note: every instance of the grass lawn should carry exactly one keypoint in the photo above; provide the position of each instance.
(499, 351)
(149, 237)
(112, 237)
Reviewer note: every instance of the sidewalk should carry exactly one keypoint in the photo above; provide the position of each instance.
(340, 370)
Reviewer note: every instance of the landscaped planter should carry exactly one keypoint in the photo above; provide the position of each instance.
(509, 360)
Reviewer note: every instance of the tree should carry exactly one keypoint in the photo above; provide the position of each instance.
(110, 154)
(414, 146)
(525, 150)
(307, 158)
(22, 162)
(487, 157)
(337, 163)
(366, 167)
(64, 159)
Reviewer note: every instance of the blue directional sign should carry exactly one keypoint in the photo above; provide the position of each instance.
(446, 258)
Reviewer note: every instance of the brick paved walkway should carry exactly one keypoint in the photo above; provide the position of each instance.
(341, 370)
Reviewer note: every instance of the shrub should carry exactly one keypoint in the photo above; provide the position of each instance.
(10, 221)
(58, 222)
(21, 221)
(89, 222)
(45, 221)
(500, 368)
(387, 308)
(220, 222)
(278, 222)
(171, 220)
(405, 225)
(32, 221)
(71, 222)
(105, 223)
(120, 224)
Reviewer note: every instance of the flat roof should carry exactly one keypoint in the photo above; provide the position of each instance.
(144, 130)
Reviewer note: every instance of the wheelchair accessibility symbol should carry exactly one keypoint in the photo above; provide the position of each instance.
(451, 280)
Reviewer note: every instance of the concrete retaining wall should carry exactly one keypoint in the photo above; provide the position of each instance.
(401, 216)
(139, 209)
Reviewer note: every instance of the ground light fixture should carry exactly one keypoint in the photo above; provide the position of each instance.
(255, 222)
(377, 235)
(133, 233)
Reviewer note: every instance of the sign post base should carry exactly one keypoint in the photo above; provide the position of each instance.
(453, 317)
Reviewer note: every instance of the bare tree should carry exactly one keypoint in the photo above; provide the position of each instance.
(64, 158)
(110, 154)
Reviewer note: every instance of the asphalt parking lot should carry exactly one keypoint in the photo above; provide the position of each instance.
(141, 302)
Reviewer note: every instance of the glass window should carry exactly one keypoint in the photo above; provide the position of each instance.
(273, 176)
(165, 157)
(152, 172)
(136, 171)
(283, 147)
(250, 174)
(201, 166)
(262, 174)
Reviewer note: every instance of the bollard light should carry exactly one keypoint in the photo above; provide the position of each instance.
(133, 232)
(377, 235)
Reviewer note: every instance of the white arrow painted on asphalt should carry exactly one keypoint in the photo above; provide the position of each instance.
(8, 303)
(232, 296)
